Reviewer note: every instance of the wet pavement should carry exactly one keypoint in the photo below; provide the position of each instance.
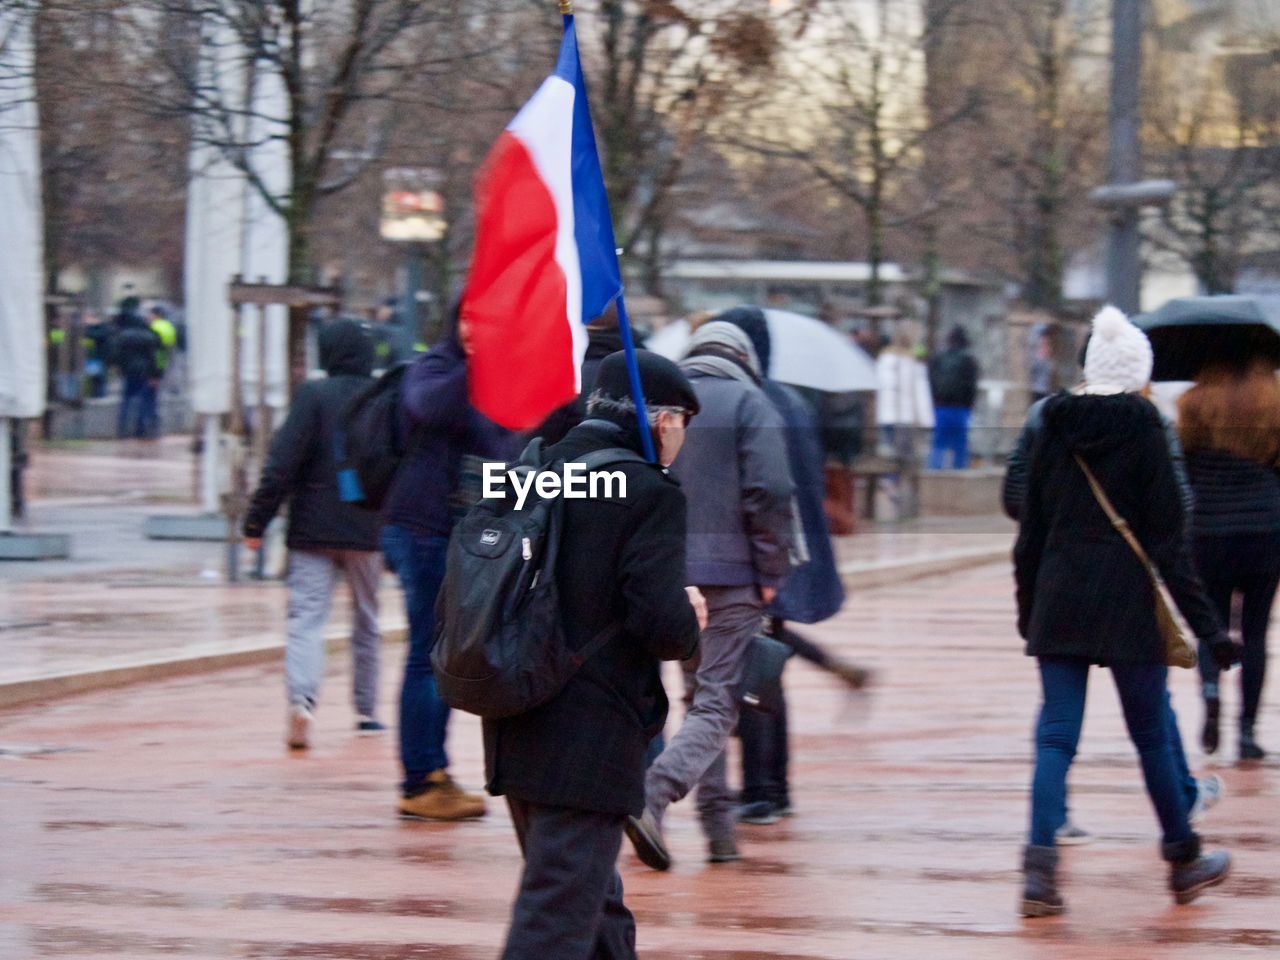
(167, 819)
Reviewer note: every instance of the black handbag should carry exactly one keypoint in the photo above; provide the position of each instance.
(761, 687)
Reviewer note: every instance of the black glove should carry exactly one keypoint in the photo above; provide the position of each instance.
(1225, 653)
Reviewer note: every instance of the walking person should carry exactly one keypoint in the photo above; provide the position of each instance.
(573, 769)
(811, 592)
(327, 537)
(1085, 598)
(421, 508)
(953, 379)
(904, 406)
(734, 473)
(1230, 425)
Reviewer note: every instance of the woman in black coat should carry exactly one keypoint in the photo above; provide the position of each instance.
(1230, 424)
(1084, 598)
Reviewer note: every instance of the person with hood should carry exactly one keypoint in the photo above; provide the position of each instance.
(136, 351)
(327, 536)
(1084, 598)
(953, 378)
(1230, 426)
(811, 592)
(573, 769)
(422, 506)
(734, 473)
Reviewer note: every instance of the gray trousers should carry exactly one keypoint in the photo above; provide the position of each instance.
(312, 577)
(570, 902)
(695, 756)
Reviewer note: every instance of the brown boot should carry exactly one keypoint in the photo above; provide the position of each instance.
(442, 800)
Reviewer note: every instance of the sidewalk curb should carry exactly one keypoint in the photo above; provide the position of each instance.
(269, 650)
(870, 576)
(857, 577)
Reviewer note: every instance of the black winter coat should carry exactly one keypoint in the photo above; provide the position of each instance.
(1082, 592)
(135, 347)
(1234, 496)
(620, 560)
(301, 466)
(953, 379)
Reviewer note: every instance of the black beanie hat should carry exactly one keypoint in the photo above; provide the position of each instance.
(664, 384)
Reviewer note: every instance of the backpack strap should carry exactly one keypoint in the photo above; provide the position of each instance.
(595, 644)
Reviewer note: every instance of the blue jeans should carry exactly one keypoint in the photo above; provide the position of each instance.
(950, 433)
(1153, 728)
(135, 408)
(424, 718)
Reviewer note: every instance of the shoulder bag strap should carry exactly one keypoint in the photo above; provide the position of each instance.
(595, 644)
(1121, 525)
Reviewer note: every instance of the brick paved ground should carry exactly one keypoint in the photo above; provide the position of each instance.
(168, 820)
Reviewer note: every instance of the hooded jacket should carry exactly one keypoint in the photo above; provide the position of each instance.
(301, 466)
(733, 468)
(1082, 591)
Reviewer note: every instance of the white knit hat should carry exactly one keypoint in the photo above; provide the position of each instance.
(1118, 358)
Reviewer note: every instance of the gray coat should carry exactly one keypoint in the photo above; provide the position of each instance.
(734, 473)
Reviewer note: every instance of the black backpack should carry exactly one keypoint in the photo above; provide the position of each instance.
(500, 646)
(371, 441)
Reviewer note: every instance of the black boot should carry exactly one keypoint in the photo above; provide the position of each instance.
(1190, 871)
(1040, 889)
(1209, 735)
(1249, 749)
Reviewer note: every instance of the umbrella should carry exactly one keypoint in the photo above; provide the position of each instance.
(1192, 332)
(805, 353)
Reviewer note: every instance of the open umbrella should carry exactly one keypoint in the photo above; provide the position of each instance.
(1191, 333)
(805, 353)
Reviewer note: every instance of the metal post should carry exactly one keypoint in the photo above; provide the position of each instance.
(6, 476)
(209, 485)
(1124, 265)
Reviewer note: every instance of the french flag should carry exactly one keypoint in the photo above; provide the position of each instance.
(545, 262)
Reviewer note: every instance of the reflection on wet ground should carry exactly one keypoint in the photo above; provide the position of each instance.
(178, 826)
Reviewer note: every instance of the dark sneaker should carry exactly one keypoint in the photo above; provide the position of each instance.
(1189, 880)
(369, 727)
(762, 813)
(1249, 749)
(645, 835)
(1072, 835)
(723, 851)
(1040, 896)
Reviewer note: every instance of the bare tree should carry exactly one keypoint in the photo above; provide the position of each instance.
(1214, 128)
(660, 72)
(341, 67)
(848, 109)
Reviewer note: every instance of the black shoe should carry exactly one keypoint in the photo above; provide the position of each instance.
(1209, 735)
(1191, 872)
(723, 851)
(1249, 749)
(1040, 896)
(762, 813)
(646, 836)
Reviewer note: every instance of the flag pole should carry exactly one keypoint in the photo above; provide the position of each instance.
(633, 373)
(628, 344)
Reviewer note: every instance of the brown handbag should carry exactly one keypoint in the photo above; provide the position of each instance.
(1179, 642)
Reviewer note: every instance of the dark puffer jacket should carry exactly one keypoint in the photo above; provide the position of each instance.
(1082, 592)
(1234, 496)
(301, 466)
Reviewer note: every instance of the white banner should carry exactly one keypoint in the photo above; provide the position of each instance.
(22, 347)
